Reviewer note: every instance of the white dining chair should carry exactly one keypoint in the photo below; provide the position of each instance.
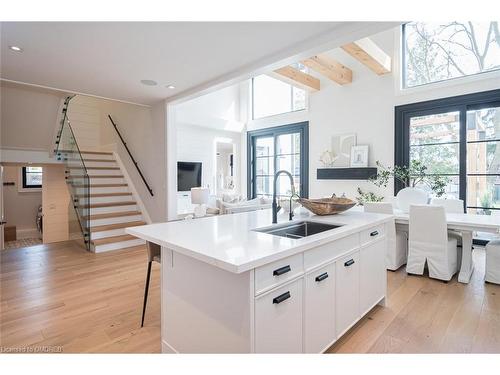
(452, 206)
(397, 241)
(430, 243)
(492, 274)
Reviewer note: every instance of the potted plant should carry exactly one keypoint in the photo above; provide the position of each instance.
(411, 176)
(367, 196)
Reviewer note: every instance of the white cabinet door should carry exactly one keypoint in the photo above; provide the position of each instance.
(278, 320)
(373, 276)
(319, 320)
(347, 292)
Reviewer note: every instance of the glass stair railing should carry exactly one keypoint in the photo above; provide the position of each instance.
(77, 180)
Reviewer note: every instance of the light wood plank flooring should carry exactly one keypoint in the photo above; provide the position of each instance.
(61, 295)
(423, 315)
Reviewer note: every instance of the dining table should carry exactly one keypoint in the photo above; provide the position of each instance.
(466, 224)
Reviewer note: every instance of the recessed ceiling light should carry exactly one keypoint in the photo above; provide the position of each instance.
(148, 82)
(16, 48)
(171, 87)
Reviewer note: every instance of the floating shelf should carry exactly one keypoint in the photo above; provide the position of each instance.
(346, 173)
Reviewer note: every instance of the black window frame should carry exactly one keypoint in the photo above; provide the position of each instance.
(300, 127)
(24, 180)
(461, 104)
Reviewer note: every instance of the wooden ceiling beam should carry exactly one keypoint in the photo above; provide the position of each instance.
(296, 78)
(329, 68)
(369, 54)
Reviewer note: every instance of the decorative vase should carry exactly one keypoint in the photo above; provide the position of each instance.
(409, 196)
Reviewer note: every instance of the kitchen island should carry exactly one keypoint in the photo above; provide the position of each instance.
(227, 286)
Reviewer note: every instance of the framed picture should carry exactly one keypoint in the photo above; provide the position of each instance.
(341, 148)
(359, 156)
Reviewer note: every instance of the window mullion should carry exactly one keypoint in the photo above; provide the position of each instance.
(462, 189)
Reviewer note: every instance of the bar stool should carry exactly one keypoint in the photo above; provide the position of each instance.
(154, 255)
(492, 274)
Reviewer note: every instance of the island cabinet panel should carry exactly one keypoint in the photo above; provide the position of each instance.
(373, 277)
(204, 309)
(275, 273)
(319, 319)
(278, 320)
(347, 292)
(326, 253)
(372, 234)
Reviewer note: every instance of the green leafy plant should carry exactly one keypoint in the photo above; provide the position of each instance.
(411, 176)
(367, 197)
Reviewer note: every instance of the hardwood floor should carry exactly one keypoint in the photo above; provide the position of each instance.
(62, 296)
(423, 315)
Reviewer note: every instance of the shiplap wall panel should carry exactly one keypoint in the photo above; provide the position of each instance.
(85, 118)
(56, 204)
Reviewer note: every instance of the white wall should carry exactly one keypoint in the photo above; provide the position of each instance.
(196, 125)
(198, 144)
(28, 117)
(84, 114)
(218, 110)
(365, 107)
(20, 208)
(143, 129)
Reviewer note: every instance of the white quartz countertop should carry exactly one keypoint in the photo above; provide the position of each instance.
(229, 242)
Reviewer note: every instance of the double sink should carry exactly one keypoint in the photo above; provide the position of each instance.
(299, 229)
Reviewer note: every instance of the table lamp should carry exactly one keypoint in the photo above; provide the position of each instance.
(199, 196)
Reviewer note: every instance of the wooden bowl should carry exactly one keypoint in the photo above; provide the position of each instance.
(327, 206)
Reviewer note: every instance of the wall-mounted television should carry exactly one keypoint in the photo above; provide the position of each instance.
(188, 175)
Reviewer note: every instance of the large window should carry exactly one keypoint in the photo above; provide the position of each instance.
(274, 149)
(273, 97)
(435, 52)
(457, 137)
(32, 177)
(435, 141)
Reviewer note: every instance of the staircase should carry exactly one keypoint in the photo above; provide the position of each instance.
(102, 200)
(111, 207)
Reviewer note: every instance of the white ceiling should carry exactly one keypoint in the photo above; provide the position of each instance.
(109, 59)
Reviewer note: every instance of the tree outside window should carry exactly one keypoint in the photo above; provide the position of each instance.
(435, 52)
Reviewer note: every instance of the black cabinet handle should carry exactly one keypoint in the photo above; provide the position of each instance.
(374, 233)
(282, 270)
(321, 277)
(350, 262)
(281, 298)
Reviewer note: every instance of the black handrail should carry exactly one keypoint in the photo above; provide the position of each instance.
(131, 157)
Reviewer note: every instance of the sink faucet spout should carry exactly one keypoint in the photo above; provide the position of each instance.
(275, 205)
